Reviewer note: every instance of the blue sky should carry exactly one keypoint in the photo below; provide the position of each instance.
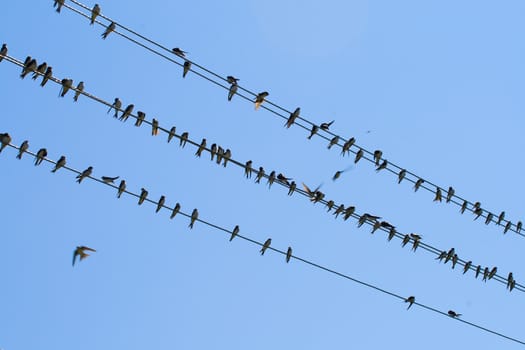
(437, 86)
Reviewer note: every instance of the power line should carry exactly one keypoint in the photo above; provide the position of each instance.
(314, 196)
(288, 255)
(429, 186)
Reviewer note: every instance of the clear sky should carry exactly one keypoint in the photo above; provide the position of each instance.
(436, 85)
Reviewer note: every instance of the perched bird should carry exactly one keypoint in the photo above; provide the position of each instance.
(79, 90)
(143, 195)
(454, 260)
(40, 155)
(213, 150)
(376, 226)
(358, 155)
(58, 4)
(121, 188)
(507, 227)
(59, 164)
(518, 227)
(442, 256)
(40, 70)
(405, 241)
(438, 197)
(183, 139)
(231, 79)
(23, 147)
(117, 104)
(283, 179)
(3, 52)
(5, 139)
(450, 193)
(382, 166)
(292, 188)
(95, 11)
(265, 245)
(29, 67)
(234, 232)
(81, 252)
(411, 300)
(140, 118)
(288, 254)
(340, 209)
(377, 156)
(401, 175)
(368, 217)
(271, 178)
(467, 266)
(501, 217)
(248, 169)
(259, 99)
(179, 52)
(452, 313)
(171, 133)
(415, 236)
(488, 220)
(160, 204)
(391, 233)
(108, 30)
(326, 126)
(450, 255)
(26, 61)
(418, 183)
(333, 141)
(109, 179)
(186, 68)
(48, 74)
(478, 212)
(201, 148)
(486, 274)
(259, 175)
(493, 272)
(478, 270)
(66, 85)
(226, 155)
(127, 112)
(232, 91)
(175, 210)
(154, 127)
(313, 131)
(84, 174)
(386, 224)
(463, 207)
(346, 146)
(329, 204)
(219, 153)
(510, 279)
(292, 117)
(349, 212)
(194, 216)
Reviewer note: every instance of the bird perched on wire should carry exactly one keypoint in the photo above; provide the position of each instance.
(117, 104)
(358, 155)
(201, 148)
(288, 254)
(171, 134)
(23, 147)
(79, 90)
(194, 217)
(160, 204)
(121, 188)
(313, 131)
(231, 79)
(232, 91)
(326, 126)
(333, 141)
(292, 117)
(346, 146)
(5, 139)
(84, 174)
(265, 245)
(292, 188)
(175, 210)
(452, 313)
(95, 11)
(284, 179)
(177, 51)
(467, 266)
(411, 300)
(260, 98)
(184, 138)
(186, 68)
(59, 164)
(108, 30)
(248, 169)
(48, 74)
(401, 175)
(109, 179)
(234, 232)
(154, 127)
(41, 69)
(383, 165)
(140, 118)
(450, 193)
(438, 197)
(127, 112)
(418, 183)
(3, 52)
(66, 85)
(260, 174)
(58, 4)
(81, 252)
(143, 195)
(377, 156)
(29, 66)
(40, 155)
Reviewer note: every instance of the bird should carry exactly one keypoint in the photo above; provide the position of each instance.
(489, 218)
(232, 91)
(213, 150)
(58, 4)
(418, 183)
(59, 164)
(463, 207)
(219, 154)
(454, 260)
(40, 70)
(292, 117)
(79, 90)
(3, 52)
(40, 155)
(438, 197)
(377, 156)
(478, 270)
(288, 254)
(326, 126)
(368, 217)
(442, 256)
(411, 300)
(382, 166)
(248, 169)
(405, 241)
(160, 204)
(346, 146)
(518, 227)
(391, 233)
(376, 226)
(259, 99)
(333, 141)
(48, 74)
(313, 131)
(401, 175)
(311, 193)
(117, 104)
(478, 212)
(95, 11)
(493, 272)
(507, 226)
(140, 118)
(234, 232)
(231, 79)
(416, 236)
(109, 179)
(194, 216)
(5, 139)
(29, 67)
(501, 217)
(450, 254)
(467, 266)
(186, 68)
(259, 175)
(226, 155)
(84, 174)
(271, 178)
(292, 188)
(23, 147)
(510, 278)
(121, 188)
(154, 127)
(349, 212)
(358, 155)
(66, 85)
(485, 273)
(108, 30)
(450, 193)
(184, 138)
(179, 52)
(81, 252)
(127, 112)
(454, 314)
(265, 245)
(143, 195)
(284, 179)
(339, 210)
(201, 148)
(171, 133)
(175, 210)
(329, 204)
(337, 174)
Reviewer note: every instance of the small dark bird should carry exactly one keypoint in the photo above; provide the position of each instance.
(48, 74)
(248, 169)
(79, 90)
(108, 30)
(140, 118)
(160, 204)
(346, 146)
(326, 126)
(186, 68)
(489, 218)
(271, 179)
(194, 217)
(58, 4)
(121, 188)
(313, 131)
(213, 150)
(329, 204)
(265, 245)
(507, 227)
(226, 156)
(84, 174)
(478, 270)
(377, 156)
(333, 141)
(288, 254)
(292, 188)
(201, 148)
(40, 155)
(418, 183)
(292, 117)
(81, 251)
(184, 138)
(117, 104)
(401, 175)
(171, 133)
(463, 207)
(358, 155)
(94, 13)
(143, 195)
(467, 266)
(40, 70)
(175, 210)
(382, 166)
(234, 232)
(59, 164)
(259, 175)
(154, 127)
(127, 112)
(109, 179)
(179, 52)
(493, 272)
(259, 99)
(3, 52)
(5, 139)
(501, 217)
(231, 79)
(518, 227)
(29, 67)
(23, 147)
(454, 314)
(438, 197)
(232, 91)
(450, 193)
(411, 300)
(66, 85)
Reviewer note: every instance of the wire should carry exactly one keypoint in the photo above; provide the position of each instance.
(355, 148)
(391, 234)
(282, 252)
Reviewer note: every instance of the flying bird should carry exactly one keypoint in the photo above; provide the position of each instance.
(23, 147)
(108, 30)
(160, 204)
(288, 254)
(234, 232)
(143, 195)
(117, 104)
(175, 210)
(48, 74)
(326, 126)
(59, 164)
(292, 117)
(313, 131)
(84, 174)
(194, 216)
(5, 139)
(121, 188)
(40, 155)
(265, 246)
(259, 99)
(109, 179)
(95, 11)
(411, 300)
(179, 52)
(81, 252)
(186, 68)
(171, 133)
(79, 90)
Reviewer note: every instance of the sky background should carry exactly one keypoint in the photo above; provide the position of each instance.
(436, 85)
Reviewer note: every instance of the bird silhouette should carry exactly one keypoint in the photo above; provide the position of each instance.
(79, 90)
(95, 11)
(23, 147)
(326, 126)
(194, 217)
(5, 139)
(186, 68)
(143, 195)
(81, 252)
(260, 98)
(108, 30)
(84, 174)
(265, 246)
(411, 300)
(59, 164)
(121, 188)
(288, 254)
(40, 155)
(234, 232)
(292, 117)
(160, 204)
(175, 210)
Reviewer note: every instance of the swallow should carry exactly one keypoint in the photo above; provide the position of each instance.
(450, 255)
(391, 233)
(486, 274)
(219, 154)
(154, 127)
(401, 175)
(143, 195)
(201, 148)
(5, 139)
(3, 52)
(121, 188)
(66, 85)
(467, 266)
(213, 150)
(346, 146)
(329, 204)
(248, 169)
(358, 155)
(259, 175)
(493, 272)
(109, 179)
(40, 70)
(326, 126)
(418, 183)
(367, 217)
(478, 270)
(349, 212)
(476, 205)
(442, 256)
(140, 118)
(411, 300)
(377, 156)
(319, 196)
(271, 178)
(84, 174)
(232, 91)
(186, 68)
(340, 209)
(40, 155)
(58, 4)
(489, 218)
(194, 216)
(265, 245)
(518, 227)
(333, 141)
(454, 260)
(337, 174)
(463, 207)
(259, 99)
(31, 66)
(95, 11)
(512, 285)
(382, 166)
(292, 117)
(171, 133)
(26, 61)
(175, 210)
(226, 156)
(23, 147)
(501, 217)
(310, 193)
(231, 79)
(59, 164)
(507, 227)
(179, 52)
(234, 232)
(48, 74)
(450, 193)
(79, 90)
(509, 280)
(406, 239)
(416, 236)
(284, 179)
(478, 212)
(108, 30)
(160, 204)
(376, 226)
(127, 112)
(313, 131)
(81, 252)
(438, 197)
(183, 139)
(454, 314)
(117, 104)
(292, 188)
(288, 254)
